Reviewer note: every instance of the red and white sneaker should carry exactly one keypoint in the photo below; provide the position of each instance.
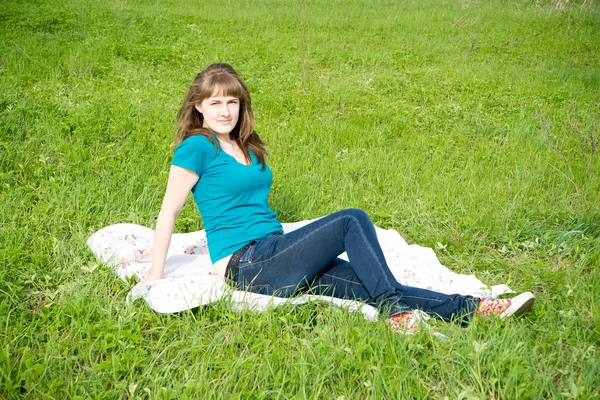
(411, 322)
(505, 307)
(406, 323)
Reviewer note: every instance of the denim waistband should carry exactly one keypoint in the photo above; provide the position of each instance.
(231, 271)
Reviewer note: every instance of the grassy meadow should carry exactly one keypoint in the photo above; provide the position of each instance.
(470, 126)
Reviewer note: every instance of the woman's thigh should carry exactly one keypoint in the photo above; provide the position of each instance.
(286, 263)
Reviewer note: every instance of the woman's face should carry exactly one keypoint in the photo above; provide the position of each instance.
(220, 113)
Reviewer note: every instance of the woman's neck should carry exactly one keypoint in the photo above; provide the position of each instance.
(224, 138)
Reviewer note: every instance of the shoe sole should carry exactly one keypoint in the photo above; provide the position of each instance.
(519, 305)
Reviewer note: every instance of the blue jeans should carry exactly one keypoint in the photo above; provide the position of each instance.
(307, 260)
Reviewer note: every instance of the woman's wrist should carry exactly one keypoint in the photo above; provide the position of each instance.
(152, 277)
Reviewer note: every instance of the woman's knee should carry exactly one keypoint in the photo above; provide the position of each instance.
(359, 215)
(355, 212)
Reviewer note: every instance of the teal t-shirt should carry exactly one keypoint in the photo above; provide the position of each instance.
(232, 197)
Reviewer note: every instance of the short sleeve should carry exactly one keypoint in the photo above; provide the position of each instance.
(194, 153)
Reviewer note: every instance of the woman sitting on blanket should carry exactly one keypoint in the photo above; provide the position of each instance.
(221, 160)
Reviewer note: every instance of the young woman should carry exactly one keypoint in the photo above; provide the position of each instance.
(221, 160)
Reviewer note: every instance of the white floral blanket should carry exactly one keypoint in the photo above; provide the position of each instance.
(187, 281)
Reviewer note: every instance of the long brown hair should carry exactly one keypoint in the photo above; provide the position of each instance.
(223, 79)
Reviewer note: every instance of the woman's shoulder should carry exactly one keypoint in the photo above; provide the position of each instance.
(194, 153)
(195, 143)
(198, 140)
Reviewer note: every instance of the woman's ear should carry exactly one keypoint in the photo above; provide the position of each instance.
(197, 107)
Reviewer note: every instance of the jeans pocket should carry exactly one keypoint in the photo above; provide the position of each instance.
(247, 257)
(250, 279)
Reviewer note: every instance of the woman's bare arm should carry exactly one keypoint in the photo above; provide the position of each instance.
(180, 182)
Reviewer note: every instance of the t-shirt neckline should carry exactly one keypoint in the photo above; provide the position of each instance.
(232, 158)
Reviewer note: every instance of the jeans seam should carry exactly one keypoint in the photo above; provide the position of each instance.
(342, 279)
(299, 242)
(262, 285)
(422, 298)
(367, 241)
(245, 264)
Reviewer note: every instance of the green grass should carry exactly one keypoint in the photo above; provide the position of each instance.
(470, 123)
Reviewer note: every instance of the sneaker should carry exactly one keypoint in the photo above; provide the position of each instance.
(410, 322)
(505, 307)
(406, 323)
